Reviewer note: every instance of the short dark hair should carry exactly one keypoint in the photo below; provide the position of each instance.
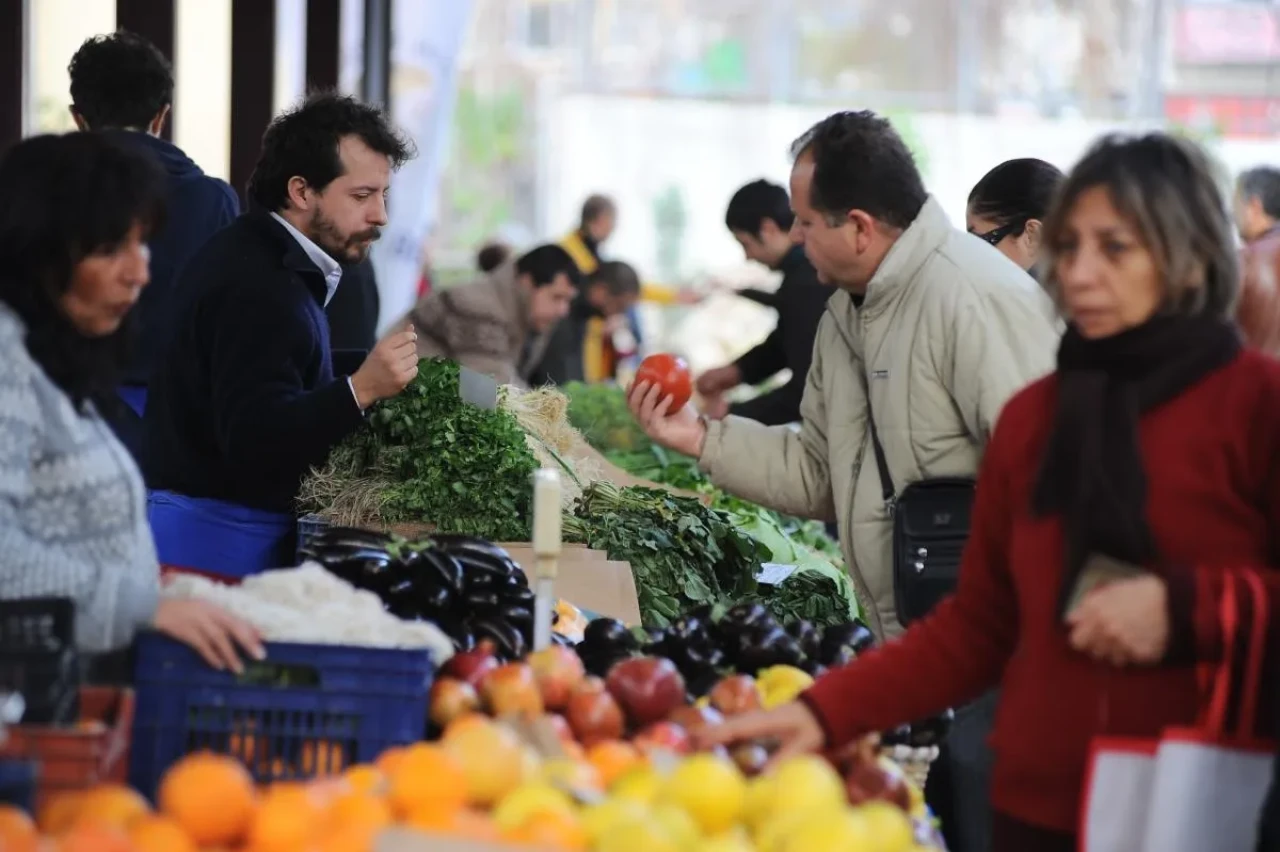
(617, 278)
(1262, 183)
(596, 206)
(861, 163)
(755, 202)
(303, 142)
(1168, 190)
(120, 80)
(545, 262)
(1015, 192)
(492, 255)
(63, 198)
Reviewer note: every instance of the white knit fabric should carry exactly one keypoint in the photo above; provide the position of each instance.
(73, 519)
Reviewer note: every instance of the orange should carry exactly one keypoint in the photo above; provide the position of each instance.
(359, 810)
(389, 758)
(288, 818)
(426, 776)
(349, 839)
(90, 836)
(211, 797)
(112, 804)
(364, 778)
(58, 813)
(613, 759)
(158, 834)
(17, 829)
(461, 824)
(491, 755)
(550, 830)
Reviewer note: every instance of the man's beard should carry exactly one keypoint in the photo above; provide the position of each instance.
(347, 250)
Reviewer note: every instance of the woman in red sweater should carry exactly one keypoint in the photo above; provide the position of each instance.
(1153, 447)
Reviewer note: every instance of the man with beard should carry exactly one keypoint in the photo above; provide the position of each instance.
(245, 401)
(607, 294)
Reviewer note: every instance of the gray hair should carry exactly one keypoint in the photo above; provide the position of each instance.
(1262, 183)
(1168, 190)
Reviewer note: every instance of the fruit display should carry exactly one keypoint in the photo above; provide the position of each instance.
(488, 782)
(470, 588)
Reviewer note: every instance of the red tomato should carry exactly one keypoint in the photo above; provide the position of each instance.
(671, 375)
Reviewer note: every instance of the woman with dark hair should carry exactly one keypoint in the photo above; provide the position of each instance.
(75, 213)
(1118, 498)
(1008, 206)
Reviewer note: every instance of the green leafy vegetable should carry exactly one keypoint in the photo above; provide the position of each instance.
(600, 413)
(425, 456)
(682, 553)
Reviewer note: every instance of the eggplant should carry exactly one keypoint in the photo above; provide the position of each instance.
(900, 735)
(808, 636)
(436, 599)
(509, 640)
(854, 636)
(442, 567)
(610, 633)
(481, 600)
(932, 731)
(749, 615)
(773, 648)
(366, 572)
(524, 596)
(520, 616)
(455, 541)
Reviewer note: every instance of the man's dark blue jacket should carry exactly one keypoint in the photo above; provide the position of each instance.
(245, 400)
(198, 207)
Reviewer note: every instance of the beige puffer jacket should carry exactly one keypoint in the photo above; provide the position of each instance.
(949, 330)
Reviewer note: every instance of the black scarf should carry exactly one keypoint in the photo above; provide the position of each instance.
(1092, 471)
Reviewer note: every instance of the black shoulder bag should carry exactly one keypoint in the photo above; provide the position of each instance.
(930, 526)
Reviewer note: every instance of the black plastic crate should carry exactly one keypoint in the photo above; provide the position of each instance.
(38, 658)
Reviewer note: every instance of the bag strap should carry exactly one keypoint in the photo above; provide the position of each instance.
(1254, 652)
(882, 464)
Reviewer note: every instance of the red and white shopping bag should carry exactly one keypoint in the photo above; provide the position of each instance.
(1195, 789)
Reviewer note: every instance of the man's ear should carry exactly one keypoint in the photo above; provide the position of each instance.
(156, 127)
(1033, 233)
(298, 193)
(81, 124)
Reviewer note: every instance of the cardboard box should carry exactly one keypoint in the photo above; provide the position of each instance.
(587, 579)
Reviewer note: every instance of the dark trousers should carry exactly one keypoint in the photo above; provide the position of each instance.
(1269, 824)
(958, 789)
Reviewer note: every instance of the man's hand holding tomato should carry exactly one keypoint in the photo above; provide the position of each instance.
(658, 398)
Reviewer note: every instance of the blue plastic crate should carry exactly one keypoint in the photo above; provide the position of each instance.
(18, 783)
(307, 710)
(310, 526)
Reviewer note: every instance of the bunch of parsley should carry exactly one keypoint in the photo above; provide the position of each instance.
(458, 467)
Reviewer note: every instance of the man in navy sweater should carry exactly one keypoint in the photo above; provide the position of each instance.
(246, 400)
(122, 84)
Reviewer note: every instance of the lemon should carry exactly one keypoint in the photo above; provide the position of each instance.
(772, 834)
(759, 801)
(599, 820)
(640, 784)
(730, 841)
(678, 825)
(636, 835)
(524, 802)
(889, 827)
(804, 783)
(846, 831)
(709, 789)
(782, 684)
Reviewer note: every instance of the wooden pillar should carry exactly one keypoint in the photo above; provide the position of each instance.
(376, 83)
(253, 55)
(154, 20)
(14, 22)
(324, 25)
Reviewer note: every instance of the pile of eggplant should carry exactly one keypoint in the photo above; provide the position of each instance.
(468, 587)
(705, 645)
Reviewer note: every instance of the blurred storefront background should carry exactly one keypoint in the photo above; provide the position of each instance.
(521, 108)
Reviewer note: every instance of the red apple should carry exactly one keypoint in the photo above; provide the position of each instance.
(511, 689)
(647, 688)
(558, 670)
(590, 684)
(451, 698)
(735, 694)
(471, 666)
(594, 716)
(664, 736)
(560, 725)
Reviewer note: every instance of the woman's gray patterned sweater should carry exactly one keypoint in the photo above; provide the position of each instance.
(73, 520)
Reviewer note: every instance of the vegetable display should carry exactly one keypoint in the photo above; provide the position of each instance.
(670, 375)
(427, 457)
(468, 587)
(681, 552)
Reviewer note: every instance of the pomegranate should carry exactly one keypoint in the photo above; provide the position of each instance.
(664, 736)
(511, 689)
(694, 719)
(471, 666)
(594, 716)
(735, 694)
(647, 688)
